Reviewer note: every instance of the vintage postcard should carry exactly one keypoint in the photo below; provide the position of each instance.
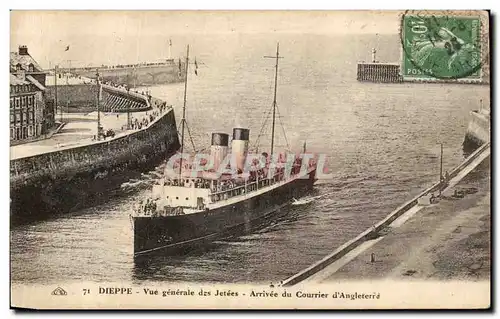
(250, 160)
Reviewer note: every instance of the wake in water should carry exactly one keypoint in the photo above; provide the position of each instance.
(306, 200)
(144, 182)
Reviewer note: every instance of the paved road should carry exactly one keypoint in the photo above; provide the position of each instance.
(448, 240)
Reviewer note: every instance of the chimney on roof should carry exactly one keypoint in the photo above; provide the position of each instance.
(23, 50)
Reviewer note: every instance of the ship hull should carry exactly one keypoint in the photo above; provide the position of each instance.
(55, 183)
(168, 235)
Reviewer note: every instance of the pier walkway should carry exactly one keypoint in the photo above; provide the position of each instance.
(80, 129)
(449, 239)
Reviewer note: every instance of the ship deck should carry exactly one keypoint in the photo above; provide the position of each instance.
(79, 130)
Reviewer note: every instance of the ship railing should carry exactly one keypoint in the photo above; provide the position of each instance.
(180, 183)
(166, 211)
(242, 189)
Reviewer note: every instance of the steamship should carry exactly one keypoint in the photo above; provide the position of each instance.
(190, 208)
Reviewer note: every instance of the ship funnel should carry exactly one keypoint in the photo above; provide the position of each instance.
(374, 55)
(239, 146)
(218, 149)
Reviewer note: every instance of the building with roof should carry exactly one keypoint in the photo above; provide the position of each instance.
(30, 115)
(23, 61)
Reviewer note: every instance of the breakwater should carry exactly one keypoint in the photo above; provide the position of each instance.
(77, 91)
(376, 71)
(67, 178)
(458, 173)
(73, 95)
(132, 75)
(379, 72)
(391, 73)
(478, 129)
(120, 100)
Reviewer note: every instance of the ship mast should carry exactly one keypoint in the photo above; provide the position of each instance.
(183, 120)
(441, 177)
(277, 57)
(55, 91)
(98, 101)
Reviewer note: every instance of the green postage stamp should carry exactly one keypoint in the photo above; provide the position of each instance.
(437, 46)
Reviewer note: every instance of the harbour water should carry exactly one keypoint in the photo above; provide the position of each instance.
(381, 141)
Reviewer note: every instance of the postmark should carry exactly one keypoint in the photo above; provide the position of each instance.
(442, 46)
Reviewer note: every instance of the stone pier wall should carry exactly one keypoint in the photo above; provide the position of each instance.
(379, 72)
(132, 148)
(74, 95)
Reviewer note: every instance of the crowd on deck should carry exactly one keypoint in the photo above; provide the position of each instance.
(257, 179)
(197, 183)
(146, 208)
(224, 189)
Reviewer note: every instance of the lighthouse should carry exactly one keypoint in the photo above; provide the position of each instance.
(374, 53)
(170, 49)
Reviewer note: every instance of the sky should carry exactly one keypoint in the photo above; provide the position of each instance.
(124, 36)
